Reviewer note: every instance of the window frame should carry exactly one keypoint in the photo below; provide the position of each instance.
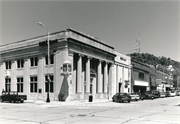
(51, 59)
(20, 84)
(8, 64)
(33, 61)
(7, 84)
(33, 84)
(20, 63)
(49, 87)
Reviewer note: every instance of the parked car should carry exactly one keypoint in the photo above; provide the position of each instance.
(156, 93)
(167, 94)
(141, 96)
(121, 97)
(134, 96)
(172, 93)
(162, 94)
(148, 95)
(12, 96)
(177, 92)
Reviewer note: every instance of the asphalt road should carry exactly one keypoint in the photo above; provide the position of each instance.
(157, 111)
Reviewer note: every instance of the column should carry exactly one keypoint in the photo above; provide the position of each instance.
(2, 77)
(105, 77)
(123, 80)
(13, 76)
(100, 77)
(79, 71)
(111, 81)
(88, 75)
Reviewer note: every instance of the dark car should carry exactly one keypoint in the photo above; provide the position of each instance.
(148, 95)
(121, 97)
(156, 93)
(141, 96)
(167, 94)
(12, 96)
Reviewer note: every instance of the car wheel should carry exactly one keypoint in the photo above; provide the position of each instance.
(152, 98)
(22, 101)
(129, 101)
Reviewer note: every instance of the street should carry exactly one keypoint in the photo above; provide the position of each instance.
(157, 111)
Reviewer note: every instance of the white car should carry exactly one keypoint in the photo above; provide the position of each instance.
(172, 93)
(134, 96)
(162, 94)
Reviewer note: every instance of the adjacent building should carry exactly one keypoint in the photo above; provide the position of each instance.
(140, 76)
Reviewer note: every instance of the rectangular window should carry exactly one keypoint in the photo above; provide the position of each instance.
(33, 84)
(34, 61)
(20, 84)
(49, 86)
(7, 84)
(51, 59)
(8, 65)
(141, 75)
(20, 63)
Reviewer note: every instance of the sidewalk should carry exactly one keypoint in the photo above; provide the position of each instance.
(62, 103)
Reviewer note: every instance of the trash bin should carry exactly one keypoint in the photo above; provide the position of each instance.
(90, 98)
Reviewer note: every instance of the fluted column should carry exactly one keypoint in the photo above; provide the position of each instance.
(105, 77)
(99, 77)
(88, 75)
(79, 71)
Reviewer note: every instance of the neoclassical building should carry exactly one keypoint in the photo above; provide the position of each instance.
(91, 67)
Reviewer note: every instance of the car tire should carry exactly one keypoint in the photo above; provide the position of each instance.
(22, 101)
(152, 98)
(129, 101)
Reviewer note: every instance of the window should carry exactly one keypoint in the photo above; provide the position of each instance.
(20, 84)
(8, 65)
(49, 86)
(141, 75)
(7, 84)
(34, 61)
(20, 63)
(33, 84)
(51, 59)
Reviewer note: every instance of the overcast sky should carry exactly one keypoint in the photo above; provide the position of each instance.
(117, 23)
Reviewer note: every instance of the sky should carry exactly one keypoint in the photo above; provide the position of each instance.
(120, 23)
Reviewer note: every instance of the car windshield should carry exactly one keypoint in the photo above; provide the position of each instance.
(122, 94)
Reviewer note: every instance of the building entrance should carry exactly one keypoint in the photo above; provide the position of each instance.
(140, 89)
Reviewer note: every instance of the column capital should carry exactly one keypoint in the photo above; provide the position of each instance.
(100, 61)
(89, 57)
(71, 53)
(106, 62)
(81, 55)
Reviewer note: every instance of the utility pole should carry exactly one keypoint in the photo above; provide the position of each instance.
(139, 44)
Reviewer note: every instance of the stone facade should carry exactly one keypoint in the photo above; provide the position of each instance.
(23, 67)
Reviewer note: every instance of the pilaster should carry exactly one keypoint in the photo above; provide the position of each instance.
(13, 76)
(2, 77)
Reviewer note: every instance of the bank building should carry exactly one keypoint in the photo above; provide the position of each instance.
(79, 66)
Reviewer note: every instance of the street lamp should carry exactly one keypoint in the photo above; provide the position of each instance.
(41, 24)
